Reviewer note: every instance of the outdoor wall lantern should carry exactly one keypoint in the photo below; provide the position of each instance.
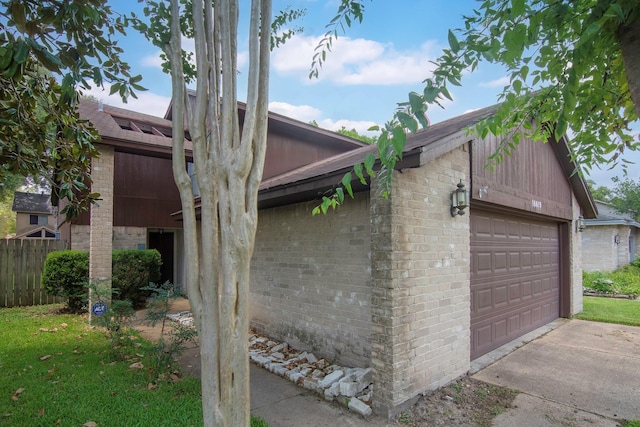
(459, 200)
(580, 225)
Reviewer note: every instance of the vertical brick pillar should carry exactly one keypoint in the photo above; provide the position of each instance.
(101, 229)
(421, 283)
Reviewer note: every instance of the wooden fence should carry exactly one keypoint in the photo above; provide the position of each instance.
(21, 263)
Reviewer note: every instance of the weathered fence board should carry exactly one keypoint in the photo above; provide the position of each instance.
(21, 263)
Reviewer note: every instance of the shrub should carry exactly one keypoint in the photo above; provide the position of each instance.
(65, 274)
(133, 270)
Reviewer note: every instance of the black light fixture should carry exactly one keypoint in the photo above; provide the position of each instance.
(459, 200)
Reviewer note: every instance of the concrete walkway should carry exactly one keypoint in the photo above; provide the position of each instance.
(582, 373)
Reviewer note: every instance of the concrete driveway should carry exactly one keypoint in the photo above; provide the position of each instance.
(581, 373)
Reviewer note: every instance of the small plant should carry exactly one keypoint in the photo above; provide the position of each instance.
(172, 341)
(115, 320)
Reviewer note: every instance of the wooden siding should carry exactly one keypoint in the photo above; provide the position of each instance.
(286, 153)
(530, 179)
(145, 193)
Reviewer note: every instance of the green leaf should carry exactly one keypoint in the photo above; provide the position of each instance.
(18, 15)
(407, 121)
(346, 183)
(369, 161)
(21, 51)
(358, 170)
(453, 42)
(517, 7)
(398, 141)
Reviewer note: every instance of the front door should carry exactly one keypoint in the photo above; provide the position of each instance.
(162, 241)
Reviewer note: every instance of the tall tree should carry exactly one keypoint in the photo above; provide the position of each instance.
(625, 196)
(601, 192)
(50, 51)
(228, 167)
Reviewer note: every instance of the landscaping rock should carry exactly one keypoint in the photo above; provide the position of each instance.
(330, 379)
(360, 407)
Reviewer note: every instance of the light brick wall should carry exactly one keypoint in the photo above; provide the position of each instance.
(101, 234)
(575, 248)
(311, 279)
(421, 276)
(80, 237)
(129, 237)
(599, 250)
(622, 248)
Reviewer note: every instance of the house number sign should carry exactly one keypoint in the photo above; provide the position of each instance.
(536, 204)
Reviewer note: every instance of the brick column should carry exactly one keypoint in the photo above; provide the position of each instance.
(101, 230)
(421, 284)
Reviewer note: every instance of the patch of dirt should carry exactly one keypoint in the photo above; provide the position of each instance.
(465, 402)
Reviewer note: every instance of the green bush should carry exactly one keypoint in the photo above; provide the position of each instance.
(65, 274)
(625, 281)
(133, 270)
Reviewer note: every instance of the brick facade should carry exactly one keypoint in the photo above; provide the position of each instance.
(311, 280)
(420, 272)
(101, 235)
(600, 251)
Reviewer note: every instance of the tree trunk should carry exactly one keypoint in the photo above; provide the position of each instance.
(228, 165)
(629, 39)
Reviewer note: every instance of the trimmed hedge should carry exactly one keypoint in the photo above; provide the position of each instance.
(66, 274)
(132, 271)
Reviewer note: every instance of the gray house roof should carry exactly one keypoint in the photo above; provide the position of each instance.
(608, 215)
(31, 203)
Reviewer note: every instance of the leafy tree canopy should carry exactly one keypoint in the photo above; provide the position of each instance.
(572, 64)
(601, 193)
(625, 196)
(50, 51)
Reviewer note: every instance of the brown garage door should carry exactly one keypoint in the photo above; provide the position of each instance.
(515, 278)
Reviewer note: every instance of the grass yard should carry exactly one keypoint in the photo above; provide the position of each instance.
(56, 370)
(611, 310)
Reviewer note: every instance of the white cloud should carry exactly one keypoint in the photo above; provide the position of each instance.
(362, 127)
(304, 113)
(147, 102)
(355, 61)
(307, 113)
(152, 60)
(501, 82)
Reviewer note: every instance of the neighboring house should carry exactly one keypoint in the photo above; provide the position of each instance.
(34, 216)
(610, 241)
(398, 284)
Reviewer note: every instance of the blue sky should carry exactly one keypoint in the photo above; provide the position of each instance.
(370, 69)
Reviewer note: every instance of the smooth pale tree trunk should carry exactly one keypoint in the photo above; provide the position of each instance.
(228, 166)
(629, 39)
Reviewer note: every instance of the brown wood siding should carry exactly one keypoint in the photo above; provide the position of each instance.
(285, 153)
(144, 192)
(530, 179)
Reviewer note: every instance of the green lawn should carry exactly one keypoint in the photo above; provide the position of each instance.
(611, 310)
(56, 370)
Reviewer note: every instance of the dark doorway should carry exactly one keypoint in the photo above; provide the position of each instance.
(163, 243)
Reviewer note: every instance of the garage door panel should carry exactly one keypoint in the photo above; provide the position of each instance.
(515, 278)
